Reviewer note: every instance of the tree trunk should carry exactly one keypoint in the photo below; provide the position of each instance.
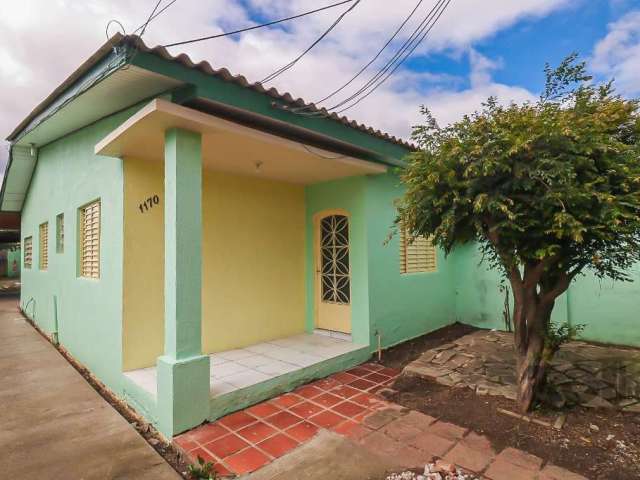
(532, 371)
(531, 322)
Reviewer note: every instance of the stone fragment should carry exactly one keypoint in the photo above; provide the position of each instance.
(443, 357)
(482, 390)
(608, 393)
(598, 402)
(560, 421)
(625, 402)
(635, 408)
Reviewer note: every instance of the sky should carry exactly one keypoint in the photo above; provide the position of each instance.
(477, 49)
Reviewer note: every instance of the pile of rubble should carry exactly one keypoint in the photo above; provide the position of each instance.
(435, 471)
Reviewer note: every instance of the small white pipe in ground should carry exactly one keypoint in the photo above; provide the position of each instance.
(379, 345)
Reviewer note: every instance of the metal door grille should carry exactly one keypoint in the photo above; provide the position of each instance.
(334, 259)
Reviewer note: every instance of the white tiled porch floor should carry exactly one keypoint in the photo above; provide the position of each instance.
(235, 369)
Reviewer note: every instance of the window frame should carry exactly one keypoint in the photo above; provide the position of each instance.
(82, 212)
(29, 251)
(429, 251)
(60, 233)
(43, 246)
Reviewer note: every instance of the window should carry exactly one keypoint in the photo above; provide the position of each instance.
(28, 251)
(90, 240)
(417, 256)
(60, 233)
(44, 246)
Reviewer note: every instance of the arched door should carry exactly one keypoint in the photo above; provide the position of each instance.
(333, 272)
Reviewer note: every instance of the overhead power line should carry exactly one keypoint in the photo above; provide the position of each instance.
(144, 27)
(405, 50)
(424, 34)
(283, 69)
(262, 25)
(154, 15)
(376, 56)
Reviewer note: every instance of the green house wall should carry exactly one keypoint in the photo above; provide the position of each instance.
(385, 303)
(87, 313)
(402, 306)
(609, 310)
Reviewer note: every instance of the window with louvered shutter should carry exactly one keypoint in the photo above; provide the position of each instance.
(90, 240)
(60, 233)
(418, 255)
(44, 246)
(28, 252)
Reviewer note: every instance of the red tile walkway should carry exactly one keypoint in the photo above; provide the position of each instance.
(347, 404)
(249, 439)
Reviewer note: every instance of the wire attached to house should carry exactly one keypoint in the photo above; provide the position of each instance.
(262, 25)
(320, 155)
(283, 69)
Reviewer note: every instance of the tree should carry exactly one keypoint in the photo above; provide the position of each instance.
(548, 189)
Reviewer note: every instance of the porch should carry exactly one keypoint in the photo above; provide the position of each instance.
(248, 372)
(225, 310)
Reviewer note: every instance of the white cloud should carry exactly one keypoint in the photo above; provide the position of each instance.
(618, 54)
(42, 41)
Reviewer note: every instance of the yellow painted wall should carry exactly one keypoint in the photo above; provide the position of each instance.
(143, 283)
(253, 259)
(253, 262)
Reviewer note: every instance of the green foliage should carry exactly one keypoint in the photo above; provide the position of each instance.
(556, 181)
(203, 470)
(558, 335)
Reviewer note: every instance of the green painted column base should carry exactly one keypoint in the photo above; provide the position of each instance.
(183, 393)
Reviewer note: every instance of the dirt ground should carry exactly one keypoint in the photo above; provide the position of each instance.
(599, 444)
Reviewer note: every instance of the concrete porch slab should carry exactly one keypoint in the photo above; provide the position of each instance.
(247, 375)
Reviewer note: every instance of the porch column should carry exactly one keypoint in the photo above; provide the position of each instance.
(183, 372)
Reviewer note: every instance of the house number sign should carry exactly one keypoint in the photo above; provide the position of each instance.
(149, 203)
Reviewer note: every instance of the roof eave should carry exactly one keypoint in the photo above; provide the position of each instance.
(91, 62)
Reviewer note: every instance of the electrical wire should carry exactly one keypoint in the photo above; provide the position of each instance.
(418, 35)
(268, 24)
(395, 58)
(283, 69)
(398, 64)
(149, 19)
(111, 22)
(363, 69)
(153, 16)
(321, 156)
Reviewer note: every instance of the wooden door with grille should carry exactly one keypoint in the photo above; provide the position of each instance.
(333, 272)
